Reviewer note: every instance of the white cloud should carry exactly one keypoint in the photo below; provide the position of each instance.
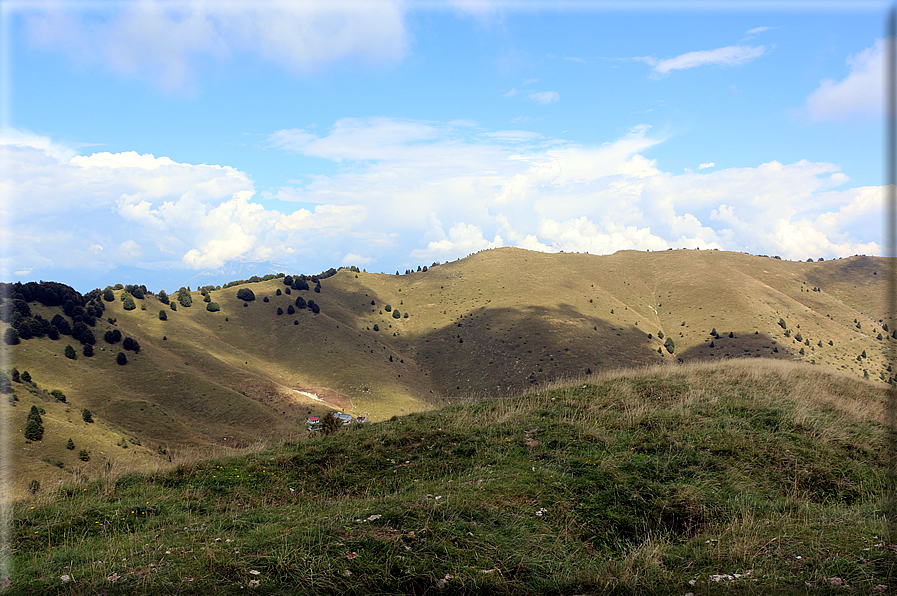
(164, 42)
(431, 190)
(704, 166)
(859, 94)
(544, 97)
(575, 59)
(727, 56)
(757, 30)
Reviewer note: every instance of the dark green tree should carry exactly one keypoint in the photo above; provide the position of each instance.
(314, 307)
(279, 311)
(88, 350)
(387, 308)
(245, 294)
(34, 426)
(58, 395)
(163, 316)
(173, 305)
(405, 316)
(162, 296)
(121, 358)
(376, 327)
(16, 377)
(70, 445)
(128, 303)
(396, 314)
(84, 455)
(10, 336)
(291, 309)
(184, 297)
(213, 307)
(70, 352)
(86, 416)
(670, 345)
(109, 295)
(278, 292)
(26, 378)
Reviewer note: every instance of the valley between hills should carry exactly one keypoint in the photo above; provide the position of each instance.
(498, 323)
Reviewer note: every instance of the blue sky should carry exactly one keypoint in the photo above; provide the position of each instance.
(187, 137)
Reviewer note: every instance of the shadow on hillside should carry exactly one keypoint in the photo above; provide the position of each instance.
(741, 345)
(504, 350)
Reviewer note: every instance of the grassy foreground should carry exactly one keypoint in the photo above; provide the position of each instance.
(744, 477)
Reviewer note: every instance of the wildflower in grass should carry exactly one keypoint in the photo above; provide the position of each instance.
(542, 511)
(65, 578)
(351, 555)
(254, 583)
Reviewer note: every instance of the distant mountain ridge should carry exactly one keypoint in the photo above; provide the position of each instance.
(496, 323)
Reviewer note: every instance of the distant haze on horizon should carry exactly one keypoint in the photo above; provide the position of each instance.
(196, 139)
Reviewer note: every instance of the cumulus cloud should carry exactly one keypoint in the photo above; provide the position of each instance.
(163, 42)
(704, 166)
(858, 95)
(421, 190)
(544, 97)
(727, 56)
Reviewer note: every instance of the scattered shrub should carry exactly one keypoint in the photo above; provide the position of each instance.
(163, 316)
(245, 294)
(84, 455)
(213, 307)
(70, 353)
(121, 359)
(87, 416)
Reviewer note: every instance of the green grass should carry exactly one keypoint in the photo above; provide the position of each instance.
(630, 483)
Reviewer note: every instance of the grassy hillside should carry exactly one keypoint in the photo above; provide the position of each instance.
(747, 477)
(497, 323)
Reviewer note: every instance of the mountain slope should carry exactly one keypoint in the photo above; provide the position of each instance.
(496, 323)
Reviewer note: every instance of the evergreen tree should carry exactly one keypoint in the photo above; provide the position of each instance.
(53, 333)
(26, 377)
(173, 305)
(70, 445)
(162, 296)
(34, 426)
(291, 309)
(128, 303)
(10, 336)
(396, 314)
(300, 303)
(279, 311)
(670, 345)
(163, 316)
(245, 294)
(109, 295)
(121, 358)
(70, 352)
(88, 350)
(213, 307)
(131, 344)
(86, 416)
(314, 307)
(16, 377)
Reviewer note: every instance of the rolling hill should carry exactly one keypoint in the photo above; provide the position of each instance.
(497, 323)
